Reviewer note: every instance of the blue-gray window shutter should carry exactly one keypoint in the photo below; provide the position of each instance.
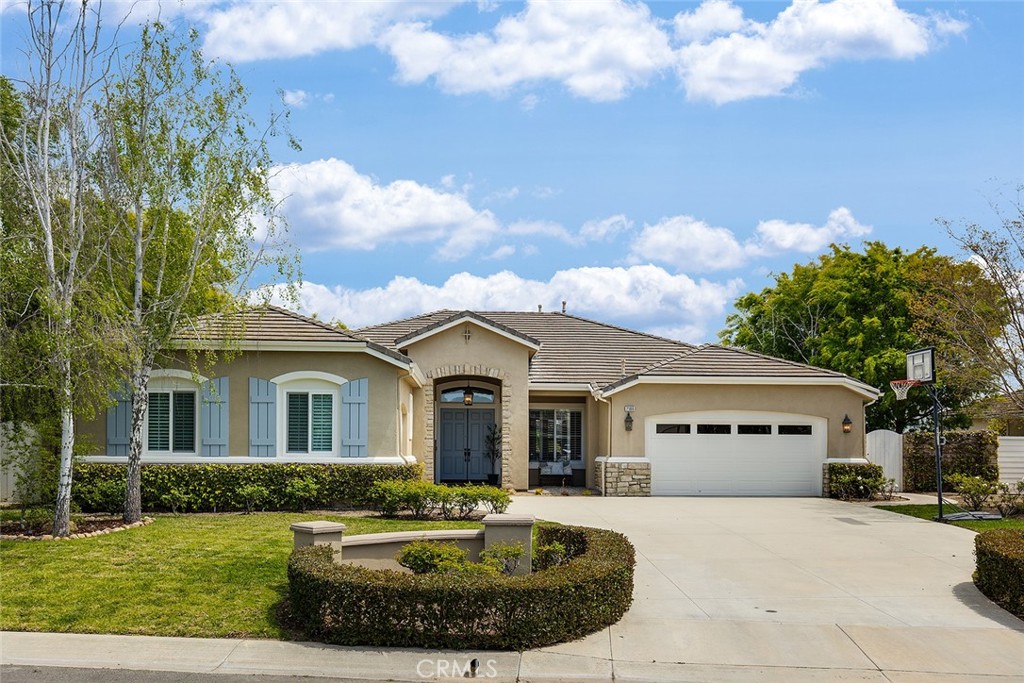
(213, 418)
(354, 418)
(119, 422)
(262, 417)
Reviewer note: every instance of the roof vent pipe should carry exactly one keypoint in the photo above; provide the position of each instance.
(540, 308)
(563, 305)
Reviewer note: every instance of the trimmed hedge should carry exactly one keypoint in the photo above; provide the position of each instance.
(423, 499)
(1000, 575)
(855, 481)
(353, 605)
(970, 453)
(220, 487)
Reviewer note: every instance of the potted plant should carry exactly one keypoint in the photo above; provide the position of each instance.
(492, 444)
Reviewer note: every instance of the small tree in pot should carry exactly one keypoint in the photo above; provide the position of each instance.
(492, 444)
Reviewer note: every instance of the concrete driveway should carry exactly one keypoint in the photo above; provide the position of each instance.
(792, 589)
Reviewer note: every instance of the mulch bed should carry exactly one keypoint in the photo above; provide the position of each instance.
(88, 527)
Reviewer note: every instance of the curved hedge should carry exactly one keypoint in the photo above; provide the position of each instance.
(214, 487)
(352, 605)
(1000, 575)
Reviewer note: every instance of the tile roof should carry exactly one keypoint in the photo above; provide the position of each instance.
(460, 316)
(573, 350)
(273, 324)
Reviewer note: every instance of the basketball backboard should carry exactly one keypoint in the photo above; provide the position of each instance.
(921, 365)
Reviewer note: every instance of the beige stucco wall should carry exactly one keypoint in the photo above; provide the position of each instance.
(830, 402)
(436, 355)
(384, 388)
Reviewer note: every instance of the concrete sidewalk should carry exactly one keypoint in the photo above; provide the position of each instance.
(798, 590)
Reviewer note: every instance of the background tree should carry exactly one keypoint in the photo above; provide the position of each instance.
(986, 325)
(48, 153)
(186, 176)
(853, 312)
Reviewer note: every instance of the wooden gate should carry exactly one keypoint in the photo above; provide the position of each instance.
(885, 448)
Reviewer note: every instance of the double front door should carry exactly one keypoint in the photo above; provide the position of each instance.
(463, 452)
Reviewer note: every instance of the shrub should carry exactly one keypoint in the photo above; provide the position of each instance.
(176, 499)
(301, 492)
(1009, 499)
(216, 486)
(973, 491)
(423, 499)
(503, 557)
(549, 555)
(254, 497)
(433, 557)
(855, 481)
(352, 605)
(103, 495)
(971, 453)
(1000, 561)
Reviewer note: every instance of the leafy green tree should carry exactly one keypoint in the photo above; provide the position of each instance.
(186, 176)
(854, 312)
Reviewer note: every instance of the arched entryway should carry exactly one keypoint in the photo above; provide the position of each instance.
(468, 443)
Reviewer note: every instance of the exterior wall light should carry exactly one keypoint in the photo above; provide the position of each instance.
(467, 396)
(629, 422)
(847, 425)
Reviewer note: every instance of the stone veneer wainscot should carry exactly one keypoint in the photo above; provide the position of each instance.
(623, 476)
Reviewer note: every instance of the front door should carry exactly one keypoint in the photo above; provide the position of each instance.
(463, 428)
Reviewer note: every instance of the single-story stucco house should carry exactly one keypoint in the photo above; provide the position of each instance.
(575, 401)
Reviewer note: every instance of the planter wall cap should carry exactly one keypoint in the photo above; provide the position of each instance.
(409, 536)
(319, 527)
(495, 519)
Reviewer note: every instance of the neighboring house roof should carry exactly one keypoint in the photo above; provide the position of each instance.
(267, 326)
(1006, 407)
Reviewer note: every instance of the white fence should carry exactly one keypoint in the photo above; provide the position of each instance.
(1011, 458)
(885, 448)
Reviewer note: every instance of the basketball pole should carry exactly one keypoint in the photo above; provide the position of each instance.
(938, 447)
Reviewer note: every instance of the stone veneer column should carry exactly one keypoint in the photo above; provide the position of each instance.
(506, 433)
(428, 430)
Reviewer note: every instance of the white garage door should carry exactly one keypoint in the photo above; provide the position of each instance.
(730, 453)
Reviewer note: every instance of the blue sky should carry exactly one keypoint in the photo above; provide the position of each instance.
(647, 163)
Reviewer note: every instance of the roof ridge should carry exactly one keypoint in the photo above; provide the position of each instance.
(602, 324)
(672, 359)
(472, 315)
(408, 318)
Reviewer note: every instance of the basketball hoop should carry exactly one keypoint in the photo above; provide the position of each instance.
(902, 386)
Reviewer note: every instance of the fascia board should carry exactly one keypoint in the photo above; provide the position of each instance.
(467, 319)
(864, 390)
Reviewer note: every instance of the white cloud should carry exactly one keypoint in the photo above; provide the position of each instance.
(295, 98)
(329, 204)
(598, 50)
(529, 102)
(766, 59)
(501, 196)
(639, 296)
(712, 17)
(543, 228)
(545, 192)
(777, 235)
(502, 252)
(693, 245)
(246, 31)
(606, 228)
(688, 244)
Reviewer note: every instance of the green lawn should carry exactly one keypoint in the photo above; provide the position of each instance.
(930, 511)
(193, 575)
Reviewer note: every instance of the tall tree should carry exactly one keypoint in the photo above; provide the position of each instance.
(188, 171)
(987, 325)
(853, 312)
(49, 154)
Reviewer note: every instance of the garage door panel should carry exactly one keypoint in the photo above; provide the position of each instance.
(733, 463)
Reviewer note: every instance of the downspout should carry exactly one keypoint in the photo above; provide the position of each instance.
(596, 393)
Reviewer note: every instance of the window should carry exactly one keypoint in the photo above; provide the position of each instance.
(795, 430)
(310, 422)
(457, 395)
(672, 429)
(556, 435)
(753, 429)
(172, 421)
(714, 429)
